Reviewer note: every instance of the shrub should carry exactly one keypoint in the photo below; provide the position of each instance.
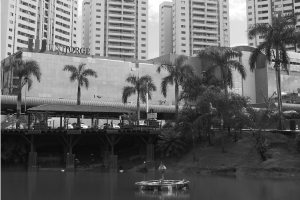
(170, 142)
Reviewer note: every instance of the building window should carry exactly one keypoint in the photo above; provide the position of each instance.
(249, 7)
(97, 54)
(97, 41)
(10, 29)
(143, 8)
(9, 37)
(8, 53)
(144, 39)
(143, 26)
(182, 8)
(98, 16)
(143, 51)
(143, 14)
(250, 19)
(143, 45)
(12, 6)
(143, 57)
(183, 20)
(97, 48)
(182, 2)
(183, 38)
(183, 44)
(182, 26)
(11, 14)
(98, 4)
(98, 22)
(97, 35)
(183, 51)
(143, 20)
(143, 33)
(182, 14)
(11, 22)
(9, 45)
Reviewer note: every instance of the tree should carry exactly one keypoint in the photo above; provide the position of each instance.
(80, 75)
(276, 36)
(178, 71)
(24, 70)
(224, 58)
(139, 86)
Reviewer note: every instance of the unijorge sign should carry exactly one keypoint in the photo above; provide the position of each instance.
(56, 47)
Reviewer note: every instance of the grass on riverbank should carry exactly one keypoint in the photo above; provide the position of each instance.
(240, 155)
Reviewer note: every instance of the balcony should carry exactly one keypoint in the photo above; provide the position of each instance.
(121, 27)
(116, 20)
(114, 8)
(198, 11)
(120, 39)
(115, 2)
(128, 8)
(198, 5)
(119, 33)
(114, 14)
(128, 2)
(128, 21)
(121, 45)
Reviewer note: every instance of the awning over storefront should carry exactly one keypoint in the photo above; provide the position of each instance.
(11, 101)
(73, 110)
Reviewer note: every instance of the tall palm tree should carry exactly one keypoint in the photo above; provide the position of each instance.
(139, 86)
(80, 75)
(225, 59)
(24, 70)
(276, 36)
(178, 71)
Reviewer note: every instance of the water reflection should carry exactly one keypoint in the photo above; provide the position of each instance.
(56, 185)
(163, 194)
(31, 183)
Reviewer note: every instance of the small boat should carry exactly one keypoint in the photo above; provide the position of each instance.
(163, 185)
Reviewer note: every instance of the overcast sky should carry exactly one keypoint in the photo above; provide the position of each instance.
(238, 24)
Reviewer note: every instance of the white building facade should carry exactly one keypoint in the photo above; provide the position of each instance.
(116, 28)
(195, 24)
(53, 20)
(261, 11)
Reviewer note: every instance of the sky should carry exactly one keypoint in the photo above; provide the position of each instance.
(238, 24)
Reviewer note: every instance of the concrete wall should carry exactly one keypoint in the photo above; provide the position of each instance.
(107, 87)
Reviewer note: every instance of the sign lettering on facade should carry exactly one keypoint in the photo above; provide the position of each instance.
(59, 48)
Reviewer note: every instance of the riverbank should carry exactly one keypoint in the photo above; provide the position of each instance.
(241, 157)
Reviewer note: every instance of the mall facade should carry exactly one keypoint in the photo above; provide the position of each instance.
(55, 85)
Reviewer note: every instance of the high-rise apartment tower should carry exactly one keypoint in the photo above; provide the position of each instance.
(116, 28)
(186, 26)
(53, 20)
(261, 11)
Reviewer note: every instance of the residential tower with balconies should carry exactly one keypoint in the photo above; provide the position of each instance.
(116, 28)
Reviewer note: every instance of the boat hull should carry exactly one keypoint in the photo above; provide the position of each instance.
(166, 185)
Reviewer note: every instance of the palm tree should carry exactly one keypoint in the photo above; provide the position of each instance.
(80, 75)
(24, 70)
(178, 71)
(276, 36)
(139, 86)
(225, 59)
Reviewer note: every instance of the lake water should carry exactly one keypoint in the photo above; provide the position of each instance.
(83, 185)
